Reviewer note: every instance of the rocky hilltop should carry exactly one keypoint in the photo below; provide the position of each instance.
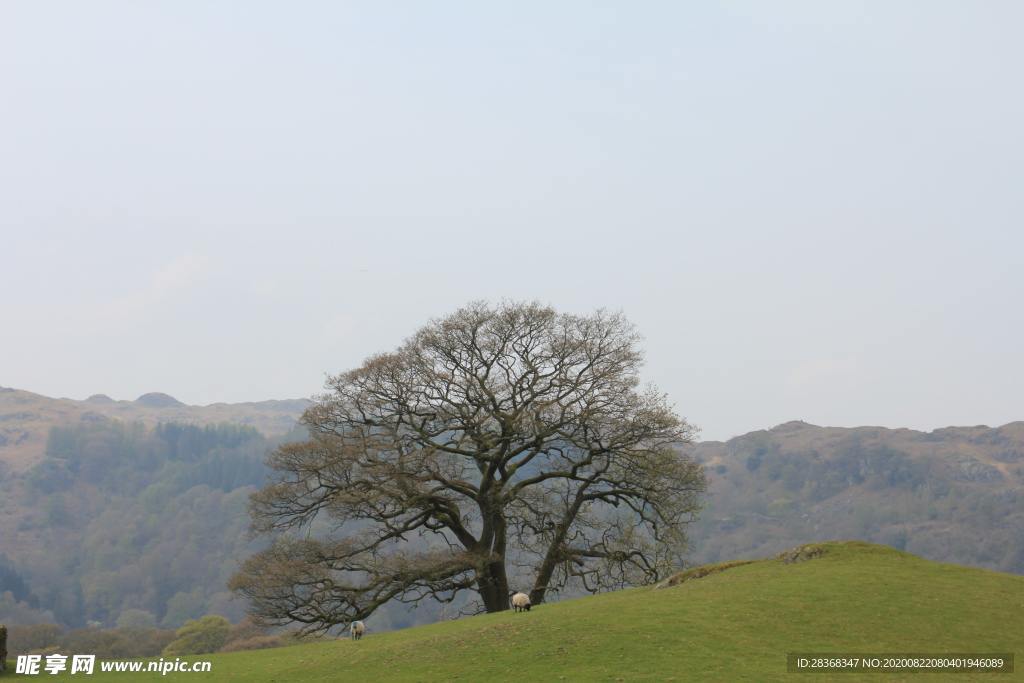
(26, 417)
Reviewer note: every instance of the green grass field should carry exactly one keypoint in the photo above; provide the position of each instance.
(732, 625)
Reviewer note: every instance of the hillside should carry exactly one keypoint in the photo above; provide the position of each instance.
(117, 516)
(96, 505)
(26, 418)
(120, 518)
(734, 625)
(953, 494)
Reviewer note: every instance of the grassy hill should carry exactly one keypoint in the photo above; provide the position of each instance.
(731, 625)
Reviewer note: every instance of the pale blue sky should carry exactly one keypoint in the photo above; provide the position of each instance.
(812, 210)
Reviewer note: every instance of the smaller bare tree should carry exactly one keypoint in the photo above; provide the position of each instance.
(497, 439)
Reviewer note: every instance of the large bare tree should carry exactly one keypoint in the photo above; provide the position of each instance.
(499, 441)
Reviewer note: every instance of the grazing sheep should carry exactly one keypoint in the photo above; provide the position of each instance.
(520, 602)
(3, 647)
(357, 630)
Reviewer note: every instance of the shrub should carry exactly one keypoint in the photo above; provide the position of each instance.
(22, 639)
(200, 636)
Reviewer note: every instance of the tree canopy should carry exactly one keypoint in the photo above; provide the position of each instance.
(501, 445)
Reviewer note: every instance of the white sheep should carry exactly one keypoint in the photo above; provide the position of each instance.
(357, 630)
(520, 602)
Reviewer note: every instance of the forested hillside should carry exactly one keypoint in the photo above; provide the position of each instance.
(119, 517)
(954, 495)
(119, 521)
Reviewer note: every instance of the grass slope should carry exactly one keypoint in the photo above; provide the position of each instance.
(736, 624)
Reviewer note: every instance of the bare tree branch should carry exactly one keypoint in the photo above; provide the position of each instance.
(496, 437)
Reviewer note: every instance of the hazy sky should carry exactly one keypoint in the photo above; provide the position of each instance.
(811, 210)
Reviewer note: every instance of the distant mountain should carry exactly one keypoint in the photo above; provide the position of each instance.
(157, 400)
(953, 494)
(26, 418)
(110, 506)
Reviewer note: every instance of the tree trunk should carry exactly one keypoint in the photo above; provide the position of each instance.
(554, 553)
(492, 580)
(493, 586)
(540, 587)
